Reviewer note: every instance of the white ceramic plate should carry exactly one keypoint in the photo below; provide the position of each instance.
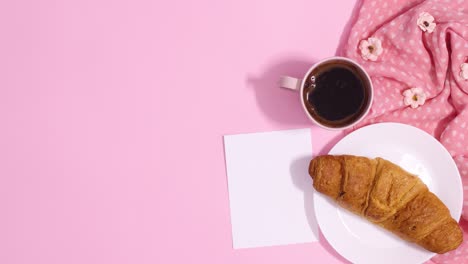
(358, 240)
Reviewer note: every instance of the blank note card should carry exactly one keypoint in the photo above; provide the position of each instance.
(270, 191)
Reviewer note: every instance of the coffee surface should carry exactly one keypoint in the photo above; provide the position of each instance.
(339, 95)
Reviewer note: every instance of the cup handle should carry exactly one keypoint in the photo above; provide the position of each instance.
(290, 83)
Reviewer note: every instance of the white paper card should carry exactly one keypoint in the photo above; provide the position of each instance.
(270, 190)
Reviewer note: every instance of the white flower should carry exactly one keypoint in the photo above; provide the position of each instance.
(426, 22)
(464, 71)
(370, 48)
(414, 97)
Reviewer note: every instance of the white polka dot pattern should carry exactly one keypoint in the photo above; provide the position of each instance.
(431, 61)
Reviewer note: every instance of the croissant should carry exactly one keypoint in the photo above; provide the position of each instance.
(388, 196)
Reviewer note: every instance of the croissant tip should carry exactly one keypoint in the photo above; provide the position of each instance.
(312, 167)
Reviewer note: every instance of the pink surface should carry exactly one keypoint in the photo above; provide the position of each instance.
(430, 61)
(112, 115)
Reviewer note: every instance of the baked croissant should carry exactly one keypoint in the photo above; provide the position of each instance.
(387, 195)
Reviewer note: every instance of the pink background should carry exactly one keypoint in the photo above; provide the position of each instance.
(112, 115)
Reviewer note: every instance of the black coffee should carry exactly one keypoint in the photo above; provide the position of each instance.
(338, 95)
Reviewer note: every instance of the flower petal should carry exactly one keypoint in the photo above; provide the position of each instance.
(421, 19)
(407, 101)
(464, 71)
(421, 100)
(373, 41)
(365, 55)
(364, 44)
(431, 27)
(364, 48)
(379, 51)
(422, 96)
(422, 27)
(464, 66)
(426, 17)
(429, 18)
(372, 57)
(417, 90)
(464, 74)
(408, 93)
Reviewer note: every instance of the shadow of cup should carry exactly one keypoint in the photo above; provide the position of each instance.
(278, 104)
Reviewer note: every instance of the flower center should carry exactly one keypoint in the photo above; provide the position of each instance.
(371, 48)
(415, 98)
(426, 24)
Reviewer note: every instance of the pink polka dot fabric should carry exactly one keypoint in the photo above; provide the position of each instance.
(431, 61)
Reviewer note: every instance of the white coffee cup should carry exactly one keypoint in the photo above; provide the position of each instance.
(299, 85)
